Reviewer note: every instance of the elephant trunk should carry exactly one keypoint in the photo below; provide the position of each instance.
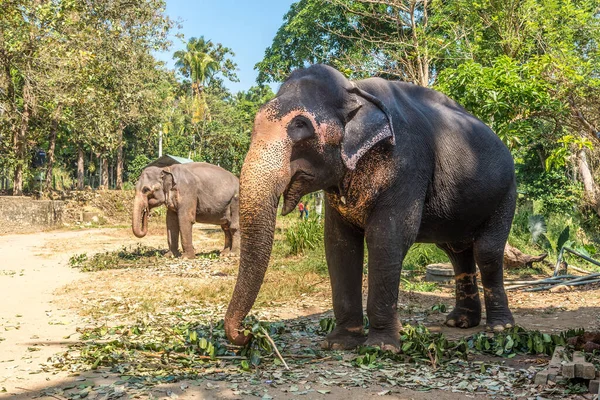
(264, 176)
(139, 224)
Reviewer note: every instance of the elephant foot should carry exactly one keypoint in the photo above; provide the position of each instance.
(462, 317)
(171, 254)
(344, 339)
(386, 340)
(228, 253)
(498, 322)
(187, 256)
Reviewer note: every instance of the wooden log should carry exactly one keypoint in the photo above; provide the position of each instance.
(515, 258)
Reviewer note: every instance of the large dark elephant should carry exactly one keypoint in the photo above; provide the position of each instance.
(399, 164)
(194, 192)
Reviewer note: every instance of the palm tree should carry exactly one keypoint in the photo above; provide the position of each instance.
(196, 63)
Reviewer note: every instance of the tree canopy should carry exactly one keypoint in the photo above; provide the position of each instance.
(530, 69)
(79, 81)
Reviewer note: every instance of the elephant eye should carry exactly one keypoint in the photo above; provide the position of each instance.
(300, 128)
(299, 123)
(146, 190)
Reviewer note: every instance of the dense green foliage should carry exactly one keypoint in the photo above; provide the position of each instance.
(530, 69)
(79, 80)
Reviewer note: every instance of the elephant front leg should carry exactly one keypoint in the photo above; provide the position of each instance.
(186, 222)
(172, 234)
(389, 236)
(344, 250)
(467, 311)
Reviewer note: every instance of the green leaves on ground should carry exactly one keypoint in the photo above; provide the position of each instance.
(127, 257)
(519, 341)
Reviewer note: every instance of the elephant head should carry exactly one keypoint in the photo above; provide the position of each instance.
(306, 139)
(148, 194)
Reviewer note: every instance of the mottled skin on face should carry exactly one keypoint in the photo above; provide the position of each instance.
(400, 164)
(194, 192)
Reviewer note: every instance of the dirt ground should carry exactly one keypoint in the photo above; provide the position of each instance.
(34, 272)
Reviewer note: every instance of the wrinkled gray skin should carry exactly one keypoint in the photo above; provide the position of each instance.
(194, 192)
(399, 164)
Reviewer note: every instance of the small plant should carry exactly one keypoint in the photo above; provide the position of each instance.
(78, 260)
(304, 235)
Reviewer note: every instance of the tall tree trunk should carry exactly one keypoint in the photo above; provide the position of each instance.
(52, 147)
(589, 186)
(104, 181)
(119, 180)
(20, 142)
(80, 170)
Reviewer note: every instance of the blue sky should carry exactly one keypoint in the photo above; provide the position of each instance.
(247, 27)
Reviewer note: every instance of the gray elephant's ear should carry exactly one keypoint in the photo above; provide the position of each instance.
(167, 178)
(367, 123)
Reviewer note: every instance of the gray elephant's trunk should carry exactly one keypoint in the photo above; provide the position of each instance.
(264, 176)
(139, 223)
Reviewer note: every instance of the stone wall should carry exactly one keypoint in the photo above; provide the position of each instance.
(22, 214)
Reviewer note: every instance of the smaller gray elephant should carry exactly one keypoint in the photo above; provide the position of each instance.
(194, 192)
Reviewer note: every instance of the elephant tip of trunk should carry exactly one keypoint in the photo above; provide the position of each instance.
(236, 335)
(240, 339)
(138, 234)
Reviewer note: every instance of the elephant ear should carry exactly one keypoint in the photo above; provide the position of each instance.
(168, 180)
(367, 123)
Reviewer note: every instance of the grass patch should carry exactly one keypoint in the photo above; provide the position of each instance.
(304, 235)
(418, 286)
(139, 256)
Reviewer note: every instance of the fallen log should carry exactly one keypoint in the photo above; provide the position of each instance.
(515, 258)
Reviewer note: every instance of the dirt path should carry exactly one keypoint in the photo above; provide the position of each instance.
(32, 326)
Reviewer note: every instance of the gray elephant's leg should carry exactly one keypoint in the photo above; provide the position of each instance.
(489, 255)
(467, 311)
(186, 222)
(344, 250)
(227, 232)
(389, 235)
(173, 234)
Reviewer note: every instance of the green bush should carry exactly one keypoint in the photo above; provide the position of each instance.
(304, 235)
(422, 254)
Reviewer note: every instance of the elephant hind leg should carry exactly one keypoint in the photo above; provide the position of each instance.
(467, 311)
(489, 255)
(228, 238)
